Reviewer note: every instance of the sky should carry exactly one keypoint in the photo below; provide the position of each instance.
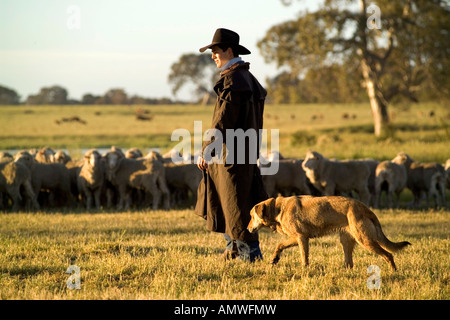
(92, 46)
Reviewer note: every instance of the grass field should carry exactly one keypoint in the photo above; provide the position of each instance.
(170, 255)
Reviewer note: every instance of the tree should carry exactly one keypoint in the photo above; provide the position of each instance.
(8, 96)
(283, 88)
(49, 95)
(402, 47)
(89, 98)
(115, 96)
(199, 69)
(336, 83)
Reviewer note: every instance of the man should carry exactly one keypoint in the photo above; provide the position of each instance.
(230, 188)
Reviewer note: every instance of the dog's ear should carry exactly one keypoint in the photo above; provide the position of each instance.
(259, 210)
(262, 208)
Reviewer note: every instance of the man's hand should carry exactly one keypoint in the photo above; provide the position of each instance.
(201, 164)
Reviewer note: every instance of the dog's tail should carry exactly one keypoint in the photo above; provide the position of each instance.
(385, 243)
(392, 247)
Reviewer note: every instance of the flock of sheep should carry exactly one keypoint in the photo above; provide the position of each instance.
(32, 180)
(37, 179)
(369, 178)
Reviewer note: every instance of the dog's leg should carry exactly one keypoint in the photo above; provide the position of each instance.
(348, 244)
(303, 243)
(291, 242)
(374, 247)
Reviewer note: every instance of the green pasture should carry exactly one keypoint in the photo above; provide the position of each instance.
(336, 131)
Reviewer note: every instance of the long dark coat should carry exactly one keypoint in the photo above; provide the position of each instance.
(229, 191)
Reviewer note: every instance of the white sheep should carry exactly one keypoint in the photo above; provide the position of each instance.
(330, 177)
(47, 176)
(133, 153)
(91, 179)
(61, 157)
(45, 155)
(390, 177)
(145, 174)
(428, 178)
(183, 179)
(13, 177)
(6, 157)
(289, 178)
(447, 172)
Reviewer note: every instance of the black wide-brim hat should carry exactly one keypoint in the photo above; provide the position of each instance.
(227, 37)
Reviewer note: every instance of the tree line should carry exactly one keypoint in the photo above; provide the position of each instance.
(58, 95)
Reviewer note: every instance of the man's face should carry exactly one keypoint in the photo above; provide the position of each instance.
(221, 57)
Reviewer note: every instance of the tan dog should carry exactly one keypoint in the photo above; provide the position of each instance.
(305, 217)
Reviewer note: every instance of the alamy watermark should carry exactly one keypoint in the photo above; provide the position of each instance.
(74, 281)
(374, 21)
(74, 18)
(240, 147)
(374, 281)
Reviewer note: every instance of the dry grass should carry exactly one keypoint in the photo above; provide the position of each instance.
(170, 255)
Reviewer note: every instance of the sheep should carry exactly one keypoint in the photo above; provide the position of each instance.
(391, 177)
(91, 178)
(127, 173)
(175, 156)
(330, 177)
(61, 157)
(372, 164)
(50, 176)
(172, 156)
(274, 155)
(182, 179)
(110, 189)
(424, 177)
(6, 157)
(74, 168)
(118, 150)
(13, 176)
(154, 155)
(172, 153)
(447, 172)
(133, 153)
(45, 155)
(290, 177)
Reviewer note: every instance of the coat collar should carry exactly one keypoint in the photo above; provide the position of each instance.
(237, 65)
(230, 63)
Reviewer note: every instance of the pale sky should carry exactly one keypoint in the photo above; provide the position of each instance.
(123, 44)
